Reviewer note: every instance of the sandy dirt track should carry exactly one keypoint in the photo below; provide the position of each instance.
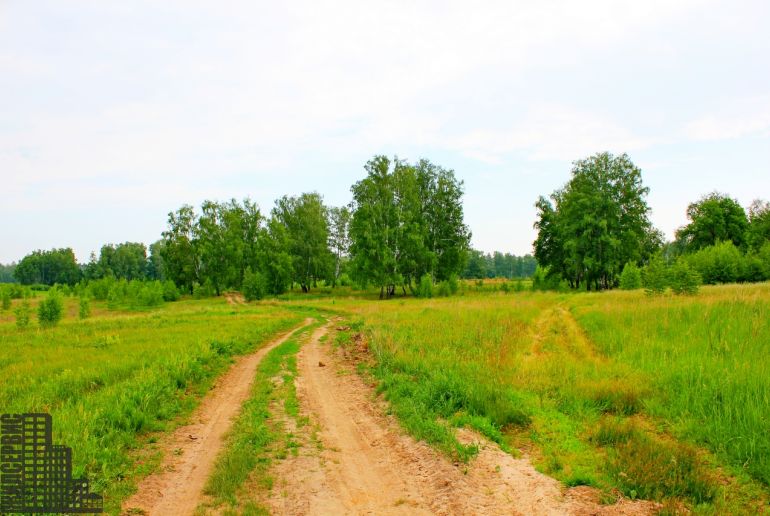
(359, 461)
(190, 451)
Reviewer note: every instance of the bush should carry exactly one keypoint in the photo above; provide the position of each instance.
(505, 287)
(683, 279)
(719, 263)
(85, 308)
(100, 289)
(22, 313)
(205, 290)
(170, 292)
(49, 311)
(6, 299)
(254, 285)
(425, 288)
(655, 277)
(631, 277)
(344, 280)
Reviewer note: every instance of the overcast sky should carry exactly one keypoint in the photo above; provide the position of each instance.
(113, 113)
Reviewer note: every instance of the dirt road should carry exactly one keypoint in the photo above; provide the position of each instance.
(190, 452)
(357, 460)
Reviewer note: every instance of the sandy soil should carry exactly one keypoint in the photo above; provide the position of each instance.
(190, 451)
(357, 460)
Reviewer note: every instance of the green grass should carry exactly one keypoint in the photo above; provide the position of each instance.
(112, 380)
(684, 382)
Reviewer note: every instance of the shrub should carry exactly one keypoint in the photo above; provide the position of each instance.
(505, 287)
(22, 313)
(425, 288)
(49, 311)
(631, 277)
(100, 289)
(85, 308)
(453, 283)
(655, 277)
(442, 289)
(683, 279)
(205, 290)
(6, 299)
(344, 280)
(254, 285)
(170, 292)
(150, 294)
(719, 263)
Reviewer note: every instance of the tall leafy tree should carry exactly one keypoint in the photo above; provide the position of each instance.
(180, 251)
(339, 239)
(596, 223)
(758, 232)
(48, 268)
(407, 222)
(307, 228)
(714, 218)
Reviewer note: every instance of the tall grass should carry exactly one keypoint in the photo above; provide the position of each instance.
(706, 359)
(108, 382)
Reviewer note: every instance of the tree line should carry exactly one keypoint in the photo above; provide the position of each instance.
(498, 265)
(598, 224)
(405, 223)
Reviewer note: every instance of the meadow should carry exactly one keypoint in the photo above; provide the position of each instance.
(655, 397)
(114, 381)
(662, 397)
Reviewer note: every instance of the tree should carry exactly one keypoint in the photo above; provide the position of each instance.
(180, 248)
(339, 239)
(407, 222)
(631, 277)
(48, 268)
(49, 311)
(596, 223)
(126, 261)
(275, 262)
(6, 273)
(714, 218)
(306, 221)
(758, 233)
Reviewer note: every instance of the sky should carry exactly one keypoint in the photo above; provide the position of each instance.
(114, 113)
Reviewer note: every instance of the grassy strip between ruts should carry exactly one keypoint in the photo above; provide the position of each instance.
(249, 446)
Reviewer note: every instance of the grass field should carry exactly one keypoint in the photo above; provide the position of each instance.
(664, 398)
(658, 397)
(113, 380)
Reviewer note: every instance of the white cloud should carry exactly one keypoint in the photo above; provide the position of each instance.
(739, 118)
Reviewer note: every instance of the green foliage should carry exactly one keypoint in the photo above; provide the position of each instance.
(48, 268)
(50, 309)
(23, 312)
(713, 219)
(254, 286)
(5, 295)
(133, 295)
(425, 288)
(306, 221)
(84, 311)
(407, 222)
(205, 290)
(122, 261)
(758, 232)
(6, 273)
(655, 277)
(719, 263)
(596, 223)
(683, 279)
(498, 265)
(170, 292)
(631, 277)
